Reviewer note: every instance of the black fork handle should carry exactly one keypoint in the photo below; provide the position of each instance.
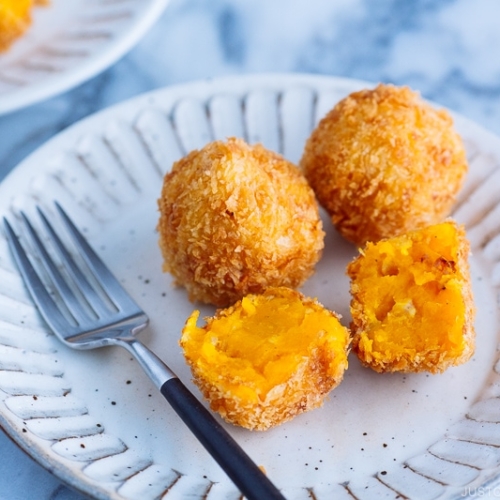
(245, 474)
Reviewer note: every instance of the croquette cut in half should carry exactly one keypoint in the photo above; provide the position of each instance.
(412, 305)
(267, 358)
(236, 219)
(383, 162)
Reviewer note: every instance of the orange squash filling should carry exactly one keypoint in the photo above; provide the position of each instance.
(15, 18)
(267, 358)
(412, 302)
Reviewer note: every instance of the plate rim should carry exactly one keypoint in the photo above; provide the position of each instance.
(55, 85)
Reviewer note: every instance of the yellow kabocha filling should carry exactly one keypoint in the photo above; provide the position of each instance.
(267, 358)
(412, 302)
(15, 18)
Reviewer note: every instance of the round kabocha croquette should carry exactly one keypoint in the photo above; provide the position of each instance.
(267, 358)
(384, 162)
(236, 219)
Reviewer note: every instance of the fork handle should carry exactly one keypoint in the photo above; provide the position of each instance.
(245, 474)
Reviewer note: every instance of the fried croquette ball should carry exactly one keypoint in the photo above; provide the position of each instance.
(267, 358)
(412, 306)
(14, 20)
(236, 219)
(383, 162)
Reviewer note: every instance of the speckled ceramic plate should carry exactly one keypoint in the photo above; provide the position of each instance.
(68, 42)
(94, 419)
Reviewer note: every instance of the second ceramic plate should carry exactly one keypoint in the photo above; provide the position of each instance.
(94, 419)
(68, 42)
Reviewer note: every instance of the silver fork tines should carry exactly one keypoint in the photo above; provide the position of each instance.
(124, 313)
(86, 307)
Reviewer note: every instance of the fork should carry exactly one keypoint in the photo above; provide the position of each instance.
(87, 316)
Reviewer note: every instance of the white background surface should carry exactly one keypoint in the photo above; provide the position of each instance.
(447, 49)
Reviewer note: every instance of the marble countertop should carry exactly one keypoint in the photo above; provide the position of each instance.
(446, 49)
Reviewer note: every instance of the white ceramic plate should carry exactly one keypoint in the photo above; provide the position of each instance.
(94, 419)
(69, 42)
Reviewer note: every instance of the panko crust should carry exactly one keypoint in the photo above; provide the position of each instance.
(236, 219)
(383, 162)
(452, 271)
(237, 390)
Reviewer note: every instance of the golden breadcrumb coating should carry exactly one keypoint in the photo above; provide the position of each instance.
(235, 219)
(412, 306)
(268, 358)
(15, 18)
(383, 162)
